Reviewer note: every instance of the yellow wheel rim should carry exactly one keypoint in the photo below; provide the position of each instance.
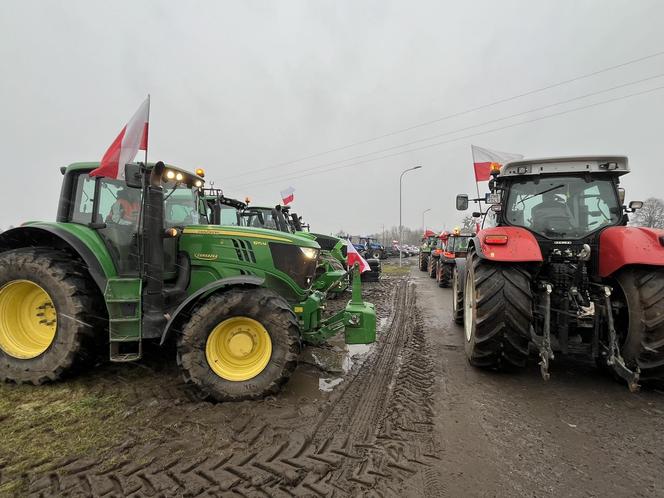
(238, 349)
(28, 319)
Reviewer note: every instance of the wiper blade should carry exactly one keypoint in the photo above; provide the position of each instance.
(541, 193)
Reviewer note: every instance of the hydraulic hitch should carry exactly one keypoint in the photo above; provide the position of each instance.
(544, 344)
(614, 358)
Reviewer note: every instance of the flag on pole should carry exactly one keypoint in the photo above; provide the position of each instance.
(288, 195)
(353, 257)
(123, 150)
(484, 158)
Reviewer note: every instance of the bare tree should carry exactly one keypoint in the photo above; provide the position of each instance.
(468, 224)
(650, 215)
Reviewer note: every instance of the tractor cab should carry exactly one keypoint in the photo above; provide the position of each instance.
(556, 231)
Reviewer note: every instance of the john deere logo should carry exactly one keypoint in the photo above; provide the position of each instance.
(206, 256)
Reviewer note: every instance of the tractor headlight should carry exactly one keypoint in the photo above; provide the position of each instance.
(309, 252)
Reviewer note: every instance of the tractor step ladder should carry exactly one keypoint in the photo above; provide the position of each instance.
(123, 299)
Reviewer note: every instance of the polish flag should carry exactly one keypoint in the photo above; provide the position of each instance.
(484, 158)
(355, 257)
(123, 150)
(288, 195)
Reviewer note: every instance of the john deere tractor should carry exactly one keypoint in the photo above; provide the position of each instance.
(428, 242)
(456, 247)
(555, 268)
(135, 260)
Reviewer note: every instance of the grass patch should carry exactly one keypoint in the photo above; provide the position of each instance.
(395, 270)
(42, 425)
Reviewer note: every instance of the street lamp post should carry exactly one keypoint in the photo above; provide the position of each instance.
(400, 225)
(424, 227)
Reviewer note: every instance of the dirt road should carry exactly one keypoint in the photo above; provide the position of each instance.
(405, 417)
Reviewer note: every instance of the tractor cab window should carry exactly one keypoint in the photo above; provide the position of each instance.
(120, 210)
(229, 216)
(563, 207)
(259, 218)
(181, 206)
(83, 197)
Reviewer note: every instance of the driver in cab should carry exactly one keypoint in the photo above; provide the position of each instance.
(552, 213)
(126, 207)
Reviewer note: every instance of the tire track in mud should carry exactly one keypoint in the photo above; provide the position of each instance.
(375, 438)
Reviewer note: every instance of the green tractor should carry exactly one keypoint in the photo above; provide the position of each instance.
(429, 240)
(138, 259)
(331, 274)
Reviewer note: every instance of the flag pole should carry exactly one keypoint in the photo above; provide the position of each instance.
(477, 184)
(147, 140)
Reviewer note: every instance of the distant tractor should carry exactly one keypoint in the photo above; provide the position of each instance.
(456, 247)
(135, 260)
(557, 268)
(429, 239)
(436, 251)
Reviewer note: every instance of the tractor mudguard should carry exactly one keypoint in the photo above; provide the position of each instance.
(54, 236)
(519, 246)
(204, 291)
(461, 271)
(620, 246)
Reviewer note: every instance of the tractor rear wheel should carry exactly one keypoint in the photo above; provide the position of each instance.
(497, 314)
(424, 261)
(457, 297)
(47, 315)
(641, 325)
(239, 344)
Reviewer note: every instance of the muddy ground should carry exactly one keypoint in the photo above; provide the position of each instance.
(405, 417)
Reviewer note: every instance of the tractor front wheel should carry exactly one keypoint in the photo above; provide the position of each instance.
(444, 275)
(641, 324)
(457, 297)
(239, 344)
(497, 314)
(47, 315)
(431, 267)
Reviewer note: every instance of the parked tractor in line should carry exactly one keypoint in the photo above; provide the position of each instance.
(436, 251)
(556, 268)
(139, 260)
(429, 239)
(456, 247)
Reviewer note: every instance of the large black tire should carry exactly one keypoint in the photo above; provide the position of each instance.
(77, 304)
(457, 297)
(424, 261)
(498, 311)
(262, 305)
(432, 266)
(444, 276)
(642, 327)
(376, 254)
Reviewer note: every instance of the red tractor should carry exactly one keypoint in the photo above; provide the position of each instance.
(456, 247)
(429, 239)
(436, 251)
(556, 267)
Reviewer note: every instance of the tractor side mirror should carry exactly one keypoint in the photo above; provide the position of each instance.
(461, 202)
(134, 175)
(634, 205)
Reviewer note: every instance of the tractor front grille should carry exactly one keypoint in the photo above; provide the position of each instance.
(290, 260)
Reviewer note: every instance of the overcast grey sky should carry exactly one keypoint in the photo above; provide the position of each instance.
(242, 86)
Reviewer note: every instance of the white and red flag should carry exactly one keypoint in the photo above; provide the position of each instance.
(287, 196)
(484, 158)
(352, 257)
(123, 150)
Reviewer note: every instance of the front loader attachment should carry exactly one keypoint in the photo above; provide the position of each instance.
(357, 320)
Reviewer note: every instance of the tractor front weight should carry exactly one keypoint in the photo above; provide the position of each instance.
(357, 320)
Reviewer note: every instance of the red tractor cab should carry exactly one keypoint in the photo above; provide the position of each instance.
(456, 247)
(556, 268)
(436, 251)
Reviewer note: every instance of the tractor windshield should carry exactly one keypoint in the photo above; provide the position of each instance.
(181, 206)
(458, 244)
(563, 207)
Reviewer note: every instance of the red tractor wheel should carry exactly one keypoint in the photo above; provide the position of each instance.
(444, 274)
(431, 266)
(641, 323)
(498, 311)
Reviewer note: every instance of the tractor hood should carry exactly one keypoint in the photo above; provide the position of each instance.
(259, 234)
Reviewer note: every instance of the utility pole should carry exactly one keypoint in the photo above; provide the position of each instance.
(400, 224)
(424, 227)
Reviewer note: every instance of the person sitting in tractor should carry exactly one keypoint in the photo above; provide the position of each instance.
(126, 207)
(552, 213)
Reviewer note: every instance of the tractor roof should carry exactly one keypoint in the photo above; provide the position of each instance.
(615, 165)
